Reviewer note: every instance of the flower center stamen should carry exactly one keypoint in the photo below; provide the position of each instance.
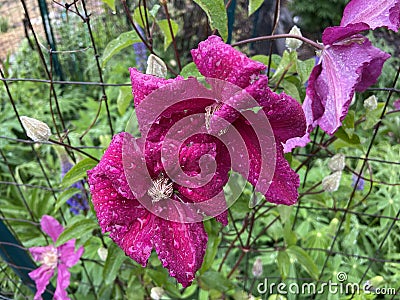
(210, 111)
(161, 189)
(50, 258)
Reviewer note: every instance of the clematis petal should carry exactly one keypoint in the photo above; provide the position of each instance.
(63, 279)
(111, 167)
(338, 33)
(216, 59)
(41, 276)
(68, 255)
(330, 96)
(180, 247)
(114, 212)
(137, 240)
(284, 184)
(283, 189)
(385, 13)
(51, 226)
(37, 252)
(284, 113)
(144, 84)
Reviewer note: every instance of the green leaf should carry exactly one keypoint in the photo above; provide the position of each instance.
(115, 259)
(213, 280)
(190, 70)
(287, 66)
(110, 3)
(78, 172)
(164, 26)
(342, 134)
(123, 41)
(289, 235)
(304, 260)
(372, 117)
(283, 261)
(216, 13)
(214, 239)
(291, 89)
(76, 230)
(64, 197)
(139, 15)
(254, 5)
(264, 59)
(304, 69)
(124, 99)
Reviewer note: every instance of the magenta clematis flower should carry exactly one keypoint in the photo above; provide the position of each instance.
(54, 258)
(135, 177)
(179, 245)
(349, 63)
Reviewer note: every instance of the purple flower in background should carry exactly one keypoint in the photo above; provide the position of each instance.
(54, 258)
(396, 104)
(140, 53)
(360, 184)
(77, 202)
(349, 63)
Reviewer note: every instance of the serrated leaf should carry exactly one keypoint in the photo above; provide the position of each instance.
(123, 41)
(124, 99)
(190, 70)
(164, 26)
(78, 172)
(216, 13)
(110, 3)
(64, 196)
(76, 230)
(304, 260)
(254, 5)
(115, 259)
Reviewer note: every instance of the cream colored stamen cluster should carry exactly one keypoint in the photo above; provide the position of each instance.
(161, 189)
(50, 258)
(210, 111)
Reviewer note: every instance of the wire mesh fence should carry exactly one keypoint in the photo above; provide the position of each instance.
(54, 72)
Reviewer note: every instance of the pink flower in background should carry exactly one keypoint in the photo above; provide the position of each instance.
(396, 104)
(349, 63)
(53, 259)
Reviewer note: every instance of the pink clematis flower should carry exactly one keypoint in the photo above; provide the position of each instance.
(180, 246)
(349, 63)
(135, 169)
(54, 258)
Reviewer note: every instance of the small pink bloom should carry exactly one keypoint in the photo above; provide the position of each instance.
(54, 258)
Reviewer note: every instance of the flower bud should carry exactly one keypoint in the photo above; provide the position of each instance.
(371, 103)
(35, 129)
(331, 182)
(156, 293)
(257, 268)
(291, 43)
(337, 162)
(102, 252)
(156, 66)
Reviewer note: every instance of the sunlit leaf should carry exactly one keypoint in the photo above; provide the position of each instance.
(216, 13)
